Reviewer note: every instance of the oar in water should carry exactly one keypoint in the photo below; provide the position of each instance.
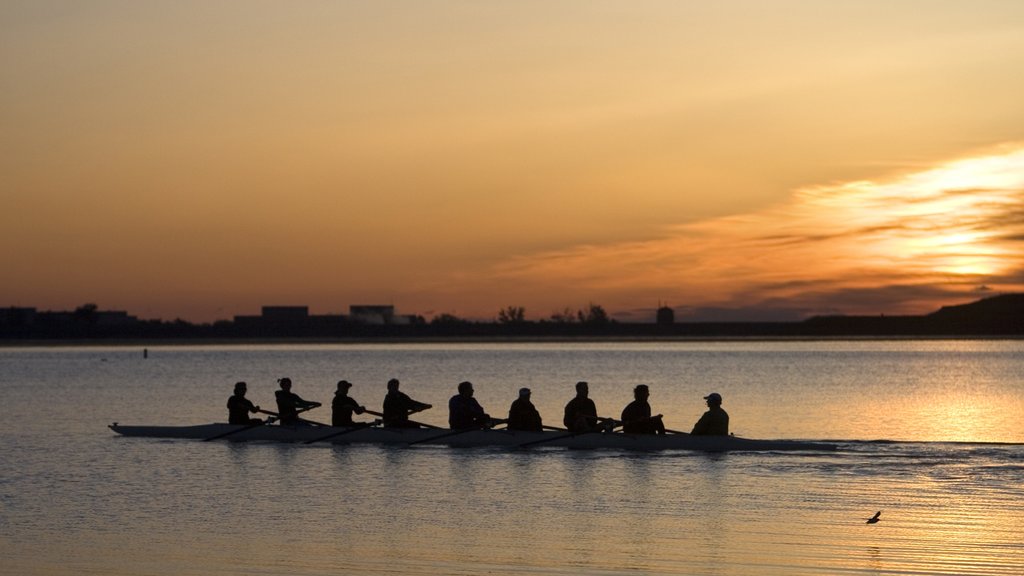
(313, 422)
(421, 424)
(355, 428)
(242, 429)
(494, 422)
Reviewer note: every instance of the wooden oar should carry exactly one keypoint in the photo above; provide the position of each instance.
(615, 424)
(667, 430)
(353, 428)
(278, 416)
(424, 425)
(242, 429)
(494, 422)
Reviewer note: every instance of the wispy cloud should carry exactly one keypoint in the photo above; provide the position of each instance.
(904, 245)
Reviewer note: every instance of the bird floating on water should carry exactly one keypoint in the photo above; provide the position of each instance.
(874, 518)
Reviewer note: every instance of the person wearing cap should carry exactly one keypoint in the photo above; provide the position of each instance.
(581, 412)
(714, 422)
(464, 411)
(636, 417)
(342, 406)
(239, 407)
(523, 415)
(398, 406)
(289, 403)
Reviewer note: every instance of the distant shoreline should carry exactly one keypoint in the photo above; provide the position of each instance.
(998, 317)
(184, 342)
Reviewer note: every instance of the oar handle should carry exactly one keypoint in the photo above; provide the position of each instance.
(421, 424)
(278, 416)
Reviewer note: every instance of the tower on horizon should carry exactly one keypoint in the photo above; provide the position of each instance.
(666, 316)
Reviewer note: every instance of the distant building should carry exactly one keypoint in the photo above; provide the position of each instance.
(372, 314)
(17, 317)
(285, 314)
(114, 318)
(666, 316)
(289, 321)
(85, 322)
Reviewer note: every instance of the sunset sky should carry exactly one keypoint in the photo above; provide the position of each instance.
(735, 159)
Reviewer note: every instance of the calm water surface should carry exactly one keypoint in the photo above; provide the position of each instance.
(931, 434)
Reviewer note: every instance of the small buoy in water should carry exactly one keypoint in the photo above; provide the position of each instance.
(874, 519)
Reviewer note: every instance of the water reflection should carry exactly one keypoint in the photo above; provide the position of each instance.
(76, 499)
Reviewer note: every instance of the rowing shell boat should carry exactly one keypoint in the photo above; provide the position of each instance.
(468, 439)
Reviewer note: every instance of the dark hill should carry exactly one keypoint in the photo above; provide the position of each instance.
(1007, 305)
(996, 316)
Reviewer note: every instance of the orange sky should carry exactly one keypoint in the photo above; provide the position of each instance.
(737, 159)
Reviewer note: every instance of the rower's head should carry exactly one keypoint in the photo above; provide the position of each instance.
(393, 385)
(240, 388)
(466, 388)
(344, 385)
(582, 389)
(524, 393)
(641, 392)
(714, 399)
(286, 383)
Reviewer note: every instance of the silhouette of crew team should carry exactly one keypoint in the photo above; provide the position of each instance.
(466, 413)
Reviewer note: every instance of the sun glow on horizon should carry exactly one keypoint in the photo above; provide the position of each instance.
(929, 237)
(199, 160)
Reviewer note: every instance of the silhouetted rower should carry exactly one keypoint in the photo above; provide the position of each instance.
(343, 406)
(289, 403)
(581, 412)
(464, 411)
(523, 415)
(398, 406)
(714, 422)
(636, 417)
(239, 407)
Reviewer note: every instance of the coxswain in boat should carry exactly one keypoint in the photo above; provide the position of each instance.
(398, 406)
(343, 406)
(464, 411)
(239, 407)
(714, 422)
(289, 403)
(581, 412)
(523, 415)
(636, 417)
